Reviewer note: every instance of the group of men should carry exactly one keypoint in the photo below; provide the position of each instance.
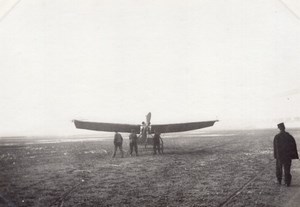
(133, 143)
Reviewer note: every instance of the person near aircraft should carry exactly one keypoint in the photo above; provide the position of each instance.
(285, 149)
(133, 142)
(143, 132)
(156, 142)
(118, 142)
(142, 128)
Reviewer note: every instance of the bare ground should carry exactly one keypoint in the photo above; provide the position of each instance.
(234, 169)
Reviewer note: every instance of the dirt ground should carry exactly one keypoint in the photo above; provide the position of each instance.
(232, 168)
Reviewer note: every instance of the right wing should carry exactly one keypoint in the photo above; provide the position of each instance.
(106, 127)
(181, 127)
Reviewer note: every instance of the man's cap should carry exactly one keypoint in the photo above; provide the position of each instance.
(280, 125)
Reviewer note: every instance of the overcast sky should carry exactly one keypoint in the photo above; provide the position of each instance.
(115, 61)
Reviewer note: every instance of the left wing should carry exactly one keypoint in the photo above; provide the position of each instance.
(107, 127)
(181, 127)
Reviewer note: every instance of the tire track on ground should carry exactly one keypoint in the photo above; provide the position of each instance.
(60, 200)
(243, 187)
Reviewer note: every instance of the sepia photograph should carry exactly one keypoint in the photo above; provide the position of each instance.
(155, 103)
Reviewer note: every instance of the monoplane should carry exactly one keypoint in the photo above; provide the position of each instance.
(146, 129)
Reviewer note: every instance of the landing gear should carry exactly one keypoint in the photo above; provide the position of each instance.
(145, 138)
(149, 139)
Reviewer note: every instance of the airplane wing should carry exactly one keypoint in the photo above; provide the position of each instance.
(181, 127)
(107, 127)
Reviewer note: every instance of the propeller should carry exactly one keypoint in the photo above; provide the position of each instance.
(148, 118)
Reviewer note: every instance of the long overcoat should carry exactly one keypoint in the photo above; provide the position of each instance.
(285, 147)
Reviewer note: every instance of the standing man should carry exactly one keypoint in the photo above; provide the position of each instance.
(133, 142)
(156, 142)
(118, 141)
(143, 132)
(285, 149)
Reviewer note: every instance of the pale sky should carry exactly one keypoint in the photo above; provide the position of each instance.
(115, 61)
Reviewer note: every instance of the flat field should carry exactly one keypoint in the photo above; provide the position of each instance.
(224, 168)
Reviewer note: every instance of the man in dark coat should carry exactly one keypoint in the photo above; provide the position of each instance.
(156, 142)
(285, 149)
(133, 142)
(118, 142)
